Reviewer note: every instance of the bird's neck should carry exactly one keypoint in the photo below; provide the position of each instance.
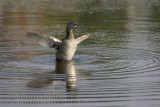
(69, 34)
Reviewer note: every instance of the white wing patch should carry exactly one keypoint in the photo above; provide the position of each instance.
(45, 40)
(82, 38)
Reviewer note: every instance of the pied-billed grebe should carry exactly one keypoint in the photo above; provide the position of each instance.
(65, 47)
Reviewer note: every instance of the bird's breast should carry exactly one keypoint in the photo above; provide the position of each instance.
(66, 50)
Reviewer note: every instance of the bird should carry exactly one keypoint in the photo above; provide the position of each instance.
(66, 47)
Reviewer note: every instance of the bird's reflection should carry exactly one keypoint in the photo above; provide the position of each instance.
(66, 68)
(70, 71)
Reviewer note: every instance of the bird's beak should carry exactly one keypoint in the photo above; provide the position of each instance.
(76, 25)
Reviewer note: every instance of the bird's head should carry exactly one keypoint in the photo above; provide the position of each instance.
(71, 25)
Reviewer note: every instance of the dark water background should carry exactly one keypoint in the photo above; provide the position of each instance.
(118, 67)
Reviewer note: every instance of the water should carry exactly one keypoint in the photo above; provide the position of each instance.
(117, 67)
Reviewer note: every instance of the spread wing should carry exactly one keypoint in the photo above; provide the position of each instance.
(82, 38)
(45, 40)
